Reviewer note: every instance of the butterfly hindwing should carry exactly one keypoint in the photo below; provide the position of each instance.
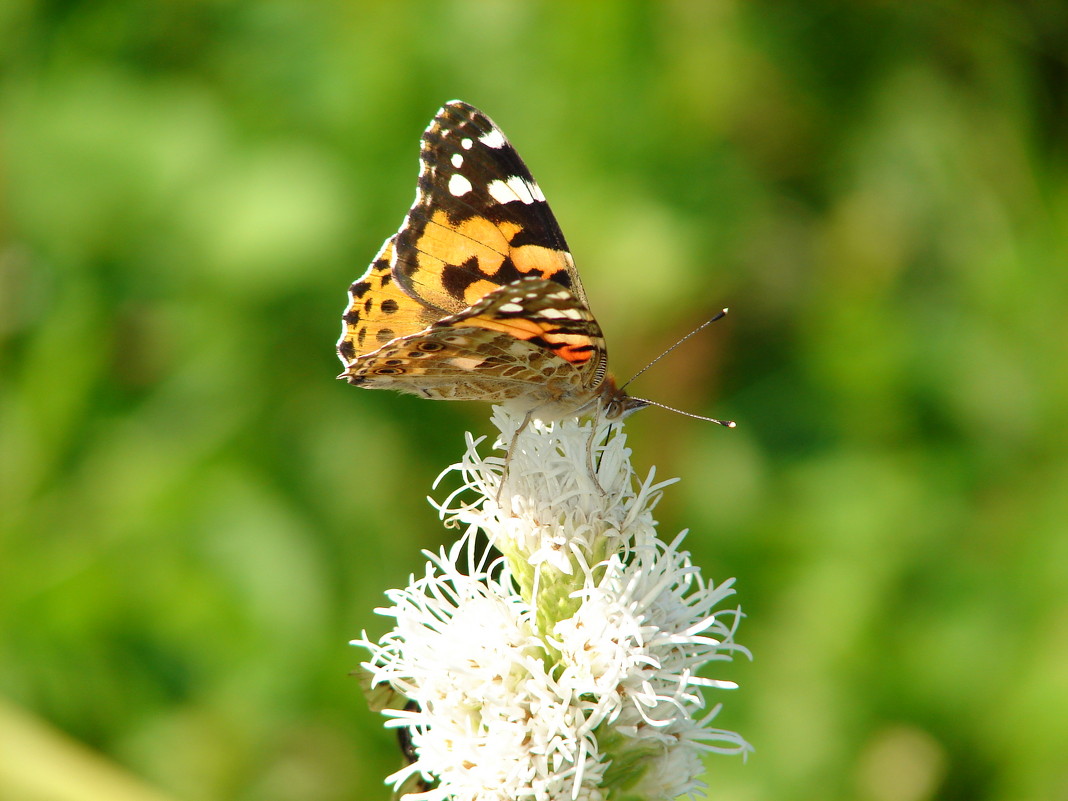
(531, 339)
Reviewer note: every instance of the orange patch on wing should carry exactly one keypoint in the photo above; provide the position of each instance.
(478, 290)
(532, 259)
(442, 242)
(572, 353)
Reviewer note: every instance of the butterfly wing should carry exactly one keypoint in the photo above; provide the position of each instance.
(479, 220)
(531, 341)
(379, 310)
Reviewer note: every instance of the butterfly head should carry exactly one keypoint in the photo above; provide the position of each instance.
(616, 403)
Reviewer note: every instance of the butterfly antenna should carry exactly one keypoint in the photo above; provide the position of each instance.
(724, 423)
(701, 327)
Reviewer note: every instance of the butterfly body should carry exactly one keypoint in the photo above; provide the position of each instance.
(476, 297)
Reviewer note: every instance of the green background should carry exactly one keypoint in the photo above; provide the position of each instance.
(196, 516)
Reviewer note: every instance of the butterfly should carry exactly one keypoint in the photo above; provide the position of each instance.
(476, 297)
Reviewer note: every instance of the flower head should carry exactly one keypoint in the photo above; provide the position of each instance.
(567, 667)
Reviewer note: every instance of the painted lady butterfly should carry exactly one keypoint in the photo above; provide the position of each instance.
(476, 297)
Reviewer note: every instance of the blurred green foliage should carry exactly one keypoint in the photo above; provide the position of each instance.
(196, 517)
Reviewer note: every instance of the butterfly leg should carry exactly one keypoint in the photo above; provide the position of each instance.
(590, 466)
(508, 456)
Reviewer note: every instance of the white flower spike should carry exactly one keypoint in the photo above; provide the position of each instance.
(566, 668)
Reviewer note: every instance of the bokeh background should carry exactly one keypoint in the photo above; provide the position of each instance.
(196, 517)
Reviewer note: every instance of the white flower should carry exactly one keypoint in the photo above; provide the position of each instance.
(567, 668)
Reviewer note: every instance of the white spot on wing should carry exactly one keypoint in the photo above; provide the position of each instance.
(458, 185)
(457, 160)
(532, 187)
(466, 143)
(511, 308)
(494, 139)
(499, 191)
(515, 188)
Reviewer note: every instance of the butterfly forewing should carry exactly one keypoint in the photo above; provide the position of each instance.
(479, 220)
